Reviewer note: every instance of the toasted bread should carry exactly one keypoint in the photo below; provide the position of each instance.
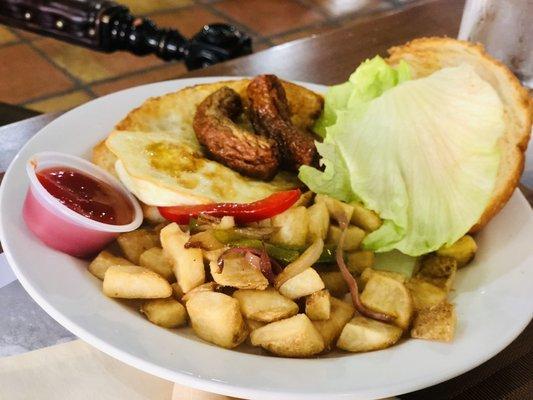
(426, 55)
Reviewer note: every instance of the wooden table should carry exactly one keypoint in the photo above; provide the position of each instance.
(329, 59)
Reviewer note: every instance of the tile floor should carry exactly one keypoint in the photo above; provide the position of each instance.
(47, 75)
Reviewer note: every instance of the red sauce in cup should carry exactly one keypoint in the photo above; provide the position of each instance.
(88, 196)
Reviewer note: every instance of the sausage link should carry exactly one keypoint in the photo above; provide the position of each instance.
(271, 117)
(228, 143)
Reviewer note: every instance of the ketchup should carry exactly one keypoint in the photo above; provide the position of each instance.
(88, 196)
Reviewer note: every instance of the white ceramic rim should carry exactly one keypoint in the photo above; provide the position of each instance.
(52, 158)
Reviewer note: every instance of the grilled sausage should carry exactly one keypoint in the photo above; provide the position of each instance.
(226, 142)
(271, 117)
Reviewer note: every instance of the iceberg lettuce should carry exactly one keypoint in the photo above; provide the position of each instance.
(421, 153)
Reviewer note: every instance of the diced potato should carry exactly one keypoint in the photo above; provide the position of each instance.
(306, 260)
(318, 306)
(318, 221)
(155, 260)
(216, 318)
(213, 255)
(133, 282)
(206, 240)
(341, 313)
(305, 199)
(291, 337)
(387, 295)
(265, 305)
(358, 261)
(187, 264)
(103, 261)
(303, 284)
(354, 237)
(463, 250)
(335, 207)
(134, 243)
(253, 324)
(293, 225)
(436, 323)
(205, 287)
(238, 273)
(177, 293)
(168, 313)
(364, 218)
(439, 270)
(334, 283)
(438, 266)
(152, 214)
(365, 334)
(369, 272)
(424, 294)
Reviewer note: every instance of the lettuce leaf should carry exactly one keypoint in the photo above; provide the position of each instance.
(421, 153)
(370, 80)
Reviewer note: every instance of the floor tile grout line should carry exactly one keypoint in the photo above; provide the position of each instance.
(77, 82)
(48, 97)
(8, 44)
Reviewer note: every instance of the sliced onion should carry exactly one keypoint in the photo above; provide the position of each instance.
(256, 258)
(350, 280)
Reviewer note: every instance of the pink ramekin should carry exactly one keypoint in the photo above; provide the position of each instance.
(60, 227)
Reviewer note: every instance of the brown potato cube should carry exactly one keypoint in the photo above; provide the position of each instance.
(205, 287)
(103, 261)
(265, 305)
(134, 243)
(425, 294)
(187, 264)
(354, 237)
(318, 305)
(291, 337)
(463, 250)
(369, 272)
(168, 313)
(177, 293)
(303, 284)
(364, 218)
(436, 323)
(358, 261)
(334, 283)
(387, 295)
(293, 226)
(253, 324)
(335, 207)
(439, 271)
(318, 221)
(365, 334)
(341, 312)
(133, 282)
(238, 273)
(216, 318)
(156, 260)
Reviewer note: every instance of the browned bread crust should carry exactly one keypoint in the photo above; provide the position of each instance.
(426, 55)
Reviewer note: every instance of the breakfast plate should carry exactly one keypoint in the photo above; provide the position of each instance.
(492, 295)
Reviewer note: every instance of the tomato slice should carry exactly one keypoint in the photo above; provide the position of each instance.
(243, 213)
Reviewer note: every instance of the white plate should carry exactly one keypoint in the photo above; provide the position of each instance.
(493, 296)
